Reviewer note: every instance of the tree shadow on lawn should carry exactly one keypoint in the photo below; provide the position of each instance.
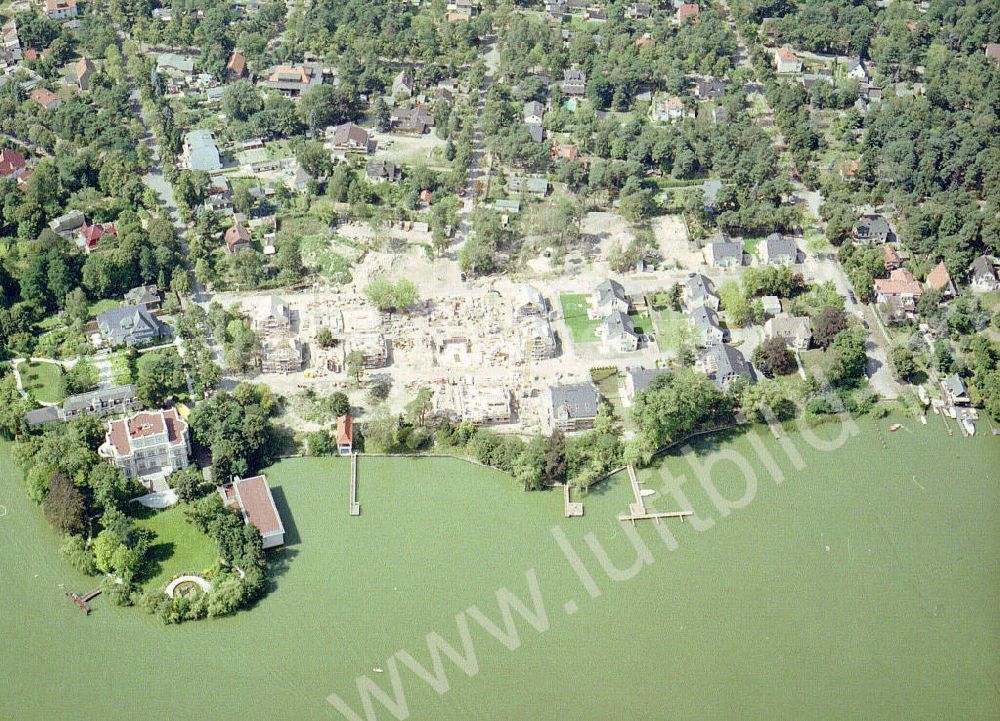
(156, 556)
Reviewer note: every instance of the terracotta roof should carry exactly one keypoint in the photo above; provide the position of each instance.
(899, 282)
(44, 97)
(257, 504)
(345, 430)
(786, 53)
(93, 233)
(938, 278)
(564, 152)
(237, 64)
(56, 5)
(889, 255)
(143, 424)
(236, 234)
(10, 162)
(687, 10)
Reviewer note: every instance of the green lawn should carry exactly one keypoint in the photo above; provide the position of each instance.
(574, 308)
(101, 306)
(179, 546)
(641, 322)
(672, 331)
(42, 379)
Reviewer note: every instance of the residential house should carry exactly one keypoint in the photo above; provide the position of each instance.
(771, 304)
(88, 236)
(711, 88)
(900, 289)
(402, 85)
(685, 12)
(955, 392)
(112, 401)
(564, 151)
(507, 206)
(555, 9)
(293, 80)
(856, 69)
(60, 9)
(12, 164)
(706, 324)
(794, 330)
(145, 295)
(667, 109)
(147, 443)
(533, 112)
(380, 170)
(638, 11)
(574, 83)
(174, 66)
(535, 132)
(237, 236)
(67, 224)
(982, 275)
(373, 347)
(461, 10)
(351, 138)
(725, 254)
(130, 325)
(786, 61)
(890, 256)
(574, 406)
(609, 297)
(872, 228)
(84, 70)
(236, 66)
(252, 498)
(940, 280)
(778, 250)
(618, 333)
(699, 290)
(637, 380)
(345, 435)
(417, 120)
(200, 151)
(724, 364)
(533, 186)
(46, 98)
(219, 194)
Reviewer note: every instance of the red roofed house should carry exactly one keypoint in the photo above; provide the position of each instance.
(890, 257)
(564, 151)
(90, 235)
(252, 496)
(786, 61)
(900, 289)
(46, 98)
(237, 237)
(939, 279)
(147, 443)
(12, 163)
(84, 69)
(686, 11)
(236, 68)
(345, 435)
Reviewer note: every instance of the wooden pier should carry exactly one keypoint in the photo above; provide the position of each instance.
(355, 507)
(82, 601)
(637, 509)
(571, 508)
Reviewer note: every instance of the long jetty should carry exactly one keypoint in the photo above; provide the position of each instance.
(355, 507)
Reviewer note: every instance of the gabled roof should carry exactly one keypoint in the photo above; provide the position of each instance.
(257, 504)
(618, 324)
(345, 430)
(642, 377)
(954, 385)
(237, 64)
(11, 161)
(698, 286)
(786, 54)
(237, 234)
(725, 249)
(575, 400)
(726, 361)
(704, 318)
(44, 97)
(939, 278)
(350, 134)
(899, 282)
(91, 234)
(776, 246)
(982, 268)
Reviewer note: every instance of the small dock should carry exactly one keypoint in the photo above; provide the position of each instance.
(354, 507)
(83, 601)
(637, 509)
(572, 509)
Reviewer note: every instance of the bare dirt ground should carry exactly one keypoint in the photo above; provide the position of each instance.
(425, 149)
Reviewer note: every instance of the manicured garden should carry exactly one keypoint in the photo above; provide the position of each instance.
(583, 328)
(42, 379)
(180, 547)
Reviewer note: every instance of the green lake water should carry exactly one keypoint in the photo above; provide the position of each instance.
(864, 585)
